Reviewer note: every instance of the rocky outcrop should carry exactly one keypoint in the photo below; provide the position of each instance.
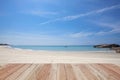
(106, 46)
(118, 51)
(4, 44)
(115, 47)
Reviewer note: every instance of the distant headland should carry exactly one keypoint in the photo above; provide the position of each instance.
(4, 44)
(115, 47)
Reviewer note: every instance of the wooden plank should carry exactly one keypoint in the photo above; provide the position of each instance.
(44, 72)
(87, 73)
(53, 72)
(26, 72)
(113, 67)
(96, 72)
(6, 72)
(3, 65)
(70, 73)
(18, 73)
(102, 72)
(60, 72)
(110, 75)
(33, 74)
(7, 67)
(78, 73)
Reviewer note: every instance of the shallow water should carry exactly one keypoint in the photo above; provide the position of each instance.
(61, 48)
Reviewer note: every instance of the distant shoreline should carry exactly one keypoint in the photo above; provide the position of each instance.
(10, 47)
(61, 48)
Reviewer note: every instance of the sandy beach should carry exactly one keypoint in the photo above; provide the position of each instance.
(23, 64)
(12, 55)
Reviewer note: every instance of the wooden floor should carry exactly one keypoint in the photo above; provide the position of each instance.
(60, 72)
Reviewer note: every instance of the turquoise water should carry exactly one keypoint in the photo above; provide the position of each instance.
(61, 48)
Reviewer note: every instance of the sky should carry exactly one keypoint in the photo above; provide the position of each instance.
(59, 22)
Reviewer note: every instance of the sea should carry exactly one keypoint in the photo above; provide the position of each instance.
(61, 48)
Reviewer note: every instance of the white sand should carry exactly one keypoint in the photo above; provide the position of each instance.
(11, 55)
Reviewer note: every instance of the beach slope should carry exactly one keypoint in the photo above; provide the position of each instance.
(12, 55)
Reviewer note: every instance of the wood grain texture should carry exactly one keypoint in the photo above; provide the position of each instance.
(60, 72)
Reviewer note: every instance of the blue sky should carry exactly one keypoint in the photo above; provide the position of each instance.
(59, 22)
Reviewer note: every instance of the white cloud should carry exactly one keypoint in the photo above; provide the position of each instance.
(115, 28)
(109, 25)
(68, 18)
(90, 13)
(81, 34)
(49, 21)
(43, 13)
(107, 8)
(40, 13)
(73, 17)
(34, 39)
